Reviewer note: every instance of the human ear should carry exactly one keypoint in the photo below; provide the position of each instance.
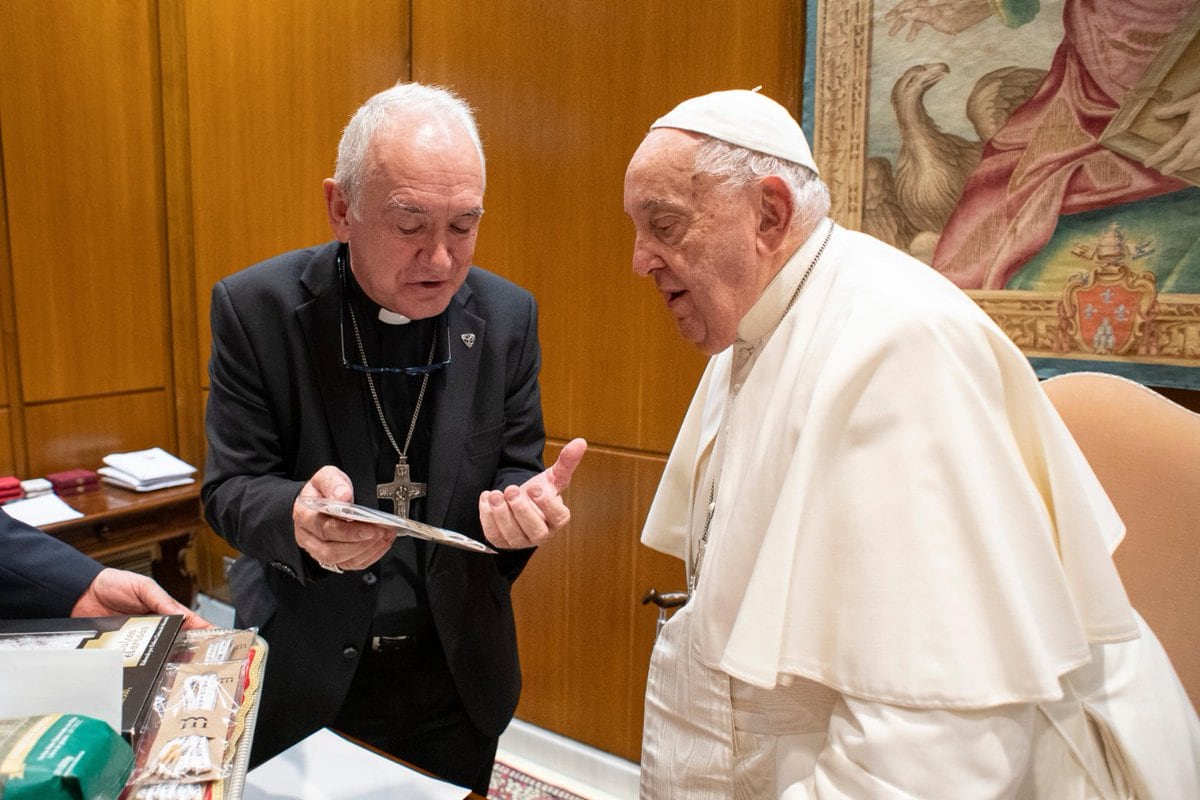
(776, 209)
(337, 206)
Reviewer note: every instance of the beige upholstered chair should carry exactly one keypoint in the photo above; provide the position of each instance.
(1145, 449)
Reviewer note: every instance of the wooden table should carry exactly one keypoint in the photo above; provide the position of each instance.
(120, 527)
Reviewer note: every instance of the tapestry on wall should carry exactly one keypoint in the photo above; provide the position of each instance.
(1044, 156)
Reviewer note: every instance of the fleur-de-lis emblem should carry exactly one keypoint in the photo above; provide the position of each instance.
(468, 339)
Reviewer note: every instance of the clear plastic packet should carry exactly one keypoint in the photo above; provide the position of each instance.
(190, 724)
(190, 746)
(212, 645)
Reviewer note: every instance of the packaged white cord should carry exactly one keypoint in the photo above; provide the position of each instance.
(191, 725)
(172, 791)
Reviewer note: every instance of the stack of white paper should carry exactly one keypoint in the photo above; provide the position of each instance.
(146, 470)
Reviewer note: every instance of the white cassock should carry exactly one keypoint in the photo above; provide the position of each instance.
(907, 589)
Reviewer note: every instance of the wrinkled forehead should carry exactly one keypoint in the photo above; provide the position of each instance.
(432, 156)
(662, 170)
(665, 149)
(425, 138)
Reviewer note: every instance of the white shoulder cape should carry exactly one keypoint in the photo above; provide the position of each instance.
(902, 515)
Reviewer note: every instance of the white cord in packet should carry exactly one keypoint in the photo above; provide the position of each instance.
(218, 650)
(172, 791)
(188, 757)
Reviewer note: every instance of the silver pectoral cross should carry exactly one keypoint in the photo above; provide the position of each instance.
(400, 490)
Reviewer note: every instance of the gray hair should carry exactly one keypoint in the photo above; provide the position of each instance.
(402, 101)
(738, 167)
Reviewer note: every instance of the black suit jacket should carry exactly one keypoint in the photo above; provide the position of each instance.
(282, 405)
(40, 576)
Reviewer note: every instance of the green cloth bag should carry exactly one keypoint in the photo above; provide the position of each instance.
(62, 757)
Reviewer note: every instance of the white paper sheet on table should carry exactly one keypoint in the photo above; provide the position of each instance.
(41, 510)
(327, 767)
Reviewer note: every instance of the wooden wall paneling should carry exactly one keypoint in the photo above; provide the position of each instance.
(269, 88)
(8, 463)
(94, 427)
(82, 156)
(5, 330)
(594, 653)
(540, 600)
(12, 435)
(180, 243)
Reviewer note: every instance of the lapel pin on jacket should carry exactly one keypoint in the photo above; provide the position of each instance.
(468, 339)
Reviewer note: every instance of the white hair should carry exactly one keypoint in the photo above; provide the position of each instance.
(738, 167)
(381, 111)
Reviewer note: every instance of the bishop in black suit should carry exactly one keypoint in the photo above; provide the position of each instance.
(329, 367)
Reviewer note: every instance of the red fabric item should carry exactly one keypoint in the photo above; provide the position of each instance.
(73, 477)
(81, 488)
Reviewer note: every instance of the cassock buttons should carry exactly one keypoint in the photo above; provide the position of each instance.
(369, 578)
(350, 653)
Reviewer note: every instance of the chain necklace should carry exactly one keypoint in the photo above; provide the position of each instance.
(402, 488)
(694, 575)
(804, 278)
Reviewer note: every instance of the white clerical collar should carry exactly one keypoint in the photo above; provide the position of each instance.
(768, 310)
(392, 318)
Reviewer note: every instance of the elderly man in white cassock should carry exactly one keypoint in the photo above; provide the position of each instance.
(899, 571)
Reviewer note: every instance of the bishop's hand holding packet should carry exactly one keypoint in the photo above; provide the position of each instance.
(405, 526)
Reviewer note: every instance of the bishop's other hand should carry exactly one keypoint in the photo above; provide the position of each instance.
(529, 514)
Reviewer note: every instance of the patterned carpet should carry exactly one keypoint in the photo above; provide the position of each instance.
(511, 784)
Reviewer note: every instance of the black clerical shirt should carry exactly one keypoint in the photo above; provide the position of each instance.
(403, 605)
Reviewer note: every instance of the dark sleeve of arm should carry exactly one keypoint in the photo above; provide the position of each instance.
(525, 432)
(40, 576)
(248, 490)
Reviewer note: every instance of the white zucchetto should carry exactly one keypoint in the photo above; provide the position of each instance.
(743, 118)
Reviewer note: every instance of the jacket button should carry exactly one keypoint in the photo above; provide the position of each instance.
(369, 578)
(350, 652)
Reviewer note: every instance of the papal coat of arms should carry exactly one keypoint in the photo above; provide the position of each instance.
(1110, 310)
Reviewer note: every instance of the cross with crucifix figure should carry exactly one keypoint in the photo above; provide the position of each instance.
(400, 490)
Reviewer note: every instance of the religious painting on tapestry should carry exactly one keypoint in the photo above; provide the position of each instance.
(1044, 156)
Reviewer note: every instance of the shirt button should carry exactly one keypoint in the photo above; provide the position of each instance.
(369, 578)
(350, 653)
